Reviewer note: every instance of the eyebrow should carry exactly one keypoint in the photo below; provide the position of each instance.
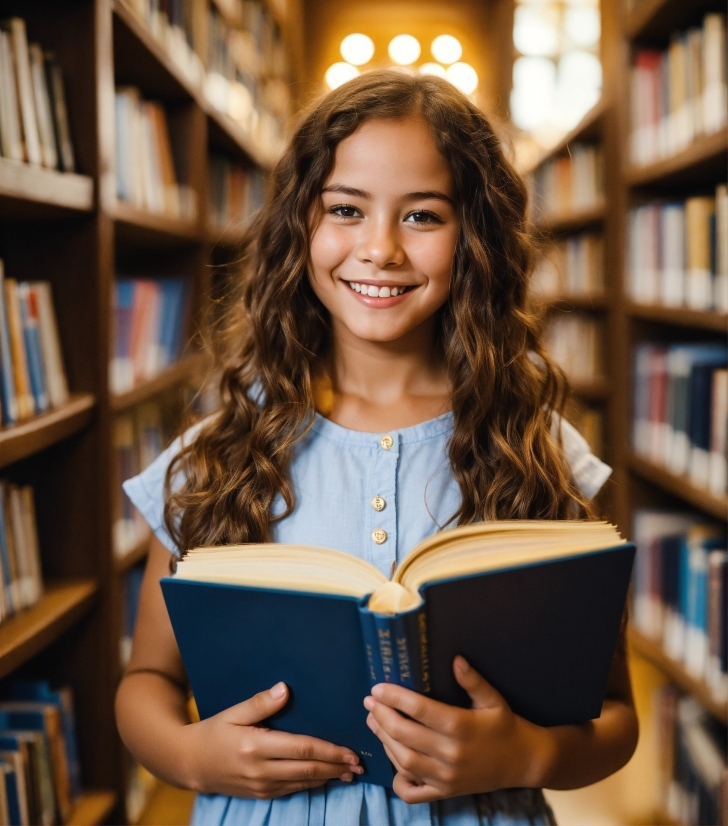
(432, 194)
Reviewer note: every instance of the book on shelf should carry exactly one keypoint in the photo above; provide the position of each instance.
(132, 588)
(573, 266)
(679, 596)
(515, 598)
(150, 317)
(575, 342)
(569, 183)
(679, 416)
(20, 565)
(236, 192)
(678, 252)
(692, 770)
(679, 94)
(589, 421)
(33, 112)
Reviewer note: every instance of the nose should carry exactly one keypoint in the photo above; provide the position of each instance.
(380, 245)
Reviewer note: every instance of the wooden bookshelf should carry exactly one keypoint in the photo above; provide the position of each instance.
(679, 316)
(93, 807)
(704, 160)
(571, 221)
(173, 376)
(133, 556)
(566, 303)
(596, 389)
(28, 191)
(652, 650)
(138, 227)
(652, 21)
(230, 236)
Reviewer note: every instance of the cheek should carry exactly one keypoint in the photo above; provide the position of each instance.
(329, 248)
(435, 257)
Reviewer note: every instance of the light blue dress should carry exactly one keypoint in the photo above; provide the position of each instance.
(336, 474)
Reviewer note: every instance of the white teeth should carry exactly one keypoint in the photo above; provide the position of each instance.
(377, 292)
(384, 292)
(372, 291)
(394, 291)
(357, 287)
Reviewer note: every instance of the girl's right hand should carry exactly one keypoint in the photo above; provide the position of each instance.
(231, 754)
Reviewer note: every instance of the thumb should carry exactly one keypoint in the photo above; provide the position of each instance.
(481, 692)
(259, 707)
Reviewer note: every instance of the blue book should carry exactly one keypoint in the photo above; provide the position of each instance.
(534, 606)
(7, 373)
(32, 347)
(10, 781)
(10, 587)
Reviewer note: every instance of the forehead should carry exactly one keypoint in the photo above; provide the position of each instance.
(391, 155)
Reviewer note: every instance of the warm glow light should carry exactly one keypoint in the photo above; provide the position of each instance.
(357, 49)
(433, 69)
(339, 73)
(404, 49)
(446, 49)
(463, 76)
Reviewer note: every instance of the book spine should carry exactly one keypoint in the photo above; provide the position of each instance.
(371, 645)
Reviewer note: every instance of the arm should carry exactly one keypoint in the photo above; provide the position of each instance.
(443, 751)
(228, 753)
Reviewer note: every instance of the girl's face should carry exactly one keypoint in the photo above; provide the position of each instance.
(382, 252)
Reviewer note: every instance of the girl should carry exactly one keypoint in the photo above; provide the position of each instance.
(383, 380)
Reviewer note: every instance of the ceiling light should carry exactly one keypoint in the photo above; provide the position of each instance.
(357, 49)
(463, 76)
(339, 73)
(432, 69)
(446, 49)
(404, 49)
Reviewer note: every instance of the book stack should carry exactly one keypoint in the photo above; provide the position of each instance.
(236, 192)
(679, 94)
(680, 600)
(145, 168)
(693, 777)
(149, 324)
(20, 567)
(38, 755)
(678, 252)
(680, 412)
(32, 377)
(570, 267)
(139, 437)
(574, 341)
(33, 114)
(569, 183)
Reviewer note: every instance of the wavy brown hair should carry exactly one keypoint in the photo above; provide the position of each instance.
(505, 389)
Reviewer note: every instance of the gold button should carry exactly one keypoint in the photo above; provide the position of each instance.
(378, 503)
(386, 442)
(379, 536)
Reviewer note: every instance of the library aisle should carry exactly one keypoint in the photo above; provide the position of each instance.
(136, 141)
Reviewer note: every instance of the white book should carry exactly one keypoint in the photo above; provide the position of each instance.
(50, 344)
(715, 93)
(673, 255)
(10, 125)
(718, 466)
(21, 62)
(43, 108)
(721, 239)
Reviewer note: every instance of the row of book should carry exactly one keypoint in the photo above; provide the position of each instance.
(680, 412)
(678, 252)
(571, 267)
(693, 776)
(589, 421)
(680, 93)
(236, 192)
(146, 175)
(32, 376)
(149, 325)
(40, 776)
(33, 114)
(680, 599)
(21, 578)
(569, 183)
(574, 341)
(139, 437)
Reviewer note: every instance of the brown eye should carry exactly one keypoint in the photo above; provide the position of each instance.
(423, 217)
(345, 211)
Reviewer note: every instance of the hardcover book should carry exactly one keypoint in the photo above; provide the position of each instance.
(534, 606)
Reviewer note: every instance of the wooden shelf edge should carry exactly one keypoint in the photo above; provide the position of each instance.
(704, 149)
(570, 221)
(133, 555)
(35, 184)
(36, 434)
(228, 236)
(155, 223)
(596, 389)
(681, 316)
(593, 301)
(652, 651)
(641, 17)
(92, 808)
(29, 632)
(172, 376)
(699, 498)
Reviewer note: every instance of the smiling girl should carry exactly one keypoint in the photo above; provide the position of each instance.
(382, 379)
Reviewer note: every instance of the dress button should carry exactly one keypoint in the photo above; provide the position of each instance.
(379, 536)
(378, 503)
(386, 442)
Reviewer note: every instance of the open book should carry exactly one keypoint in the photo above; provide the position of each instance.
(534, 606)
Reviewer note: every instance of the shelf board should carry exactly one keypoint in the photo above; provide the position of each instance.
(699, 498)
(227, 134)
(29, 632)
(229, 236)
(32, 435)
(565, 303)
(171, 377)
(133, 555)
(653, 21)
(138, 227)
(28, 191)
(595, 389)
(680, 316)
(652, 650)
(92, 808)
(704, 161)
(571, 221)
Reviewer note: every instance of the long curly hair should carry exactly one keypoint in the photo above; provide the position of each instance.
(278, 340)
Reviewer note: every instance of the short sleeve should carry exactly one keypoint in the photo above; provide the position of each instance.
(588, 472)
(146, 490)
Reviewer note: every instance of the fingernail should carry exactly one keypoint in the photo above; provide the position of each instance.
(278, 690)
(463, 665)
(352, 758)
(377, 690)
(369, 703)
(347, 777)
(358, 769)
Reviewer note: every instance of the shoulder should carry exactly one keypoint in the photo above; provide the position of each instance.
(589, 472)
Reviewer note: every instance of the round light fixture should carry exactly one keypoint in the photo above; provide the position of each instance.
(339, 73)
(463, 76)
(433, 69)
(446, 49)
(357, 49)
(404, 49)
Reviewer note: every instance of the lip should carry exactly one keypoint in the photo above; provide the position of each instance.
(376, 302)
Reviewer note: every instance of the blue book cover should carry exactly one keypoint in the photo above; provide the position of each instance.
(11, 793)
(7, 373)
(542, 633)
(32, 347)
(11, 602)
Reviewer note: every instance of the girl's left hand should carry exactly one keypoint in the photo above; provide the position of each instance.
(443, 751)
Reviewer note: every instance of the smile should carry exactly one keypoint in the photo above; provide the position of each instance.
(373, 291)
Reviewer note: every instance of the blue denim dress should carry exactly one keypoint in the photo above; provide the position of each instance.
(337, 473)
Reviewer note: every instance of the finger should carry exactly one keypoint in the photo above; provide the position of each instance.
(414, 792)
(418, 765)
(291, 788)
(431, 713)
(408, 732)
(298, 770)
(481, 692)
(400, 770)
(281, 745)
(259, 707)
